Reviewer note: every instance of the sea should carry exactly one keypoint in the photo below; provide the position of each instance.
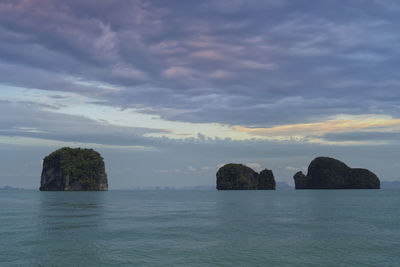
(200, 228)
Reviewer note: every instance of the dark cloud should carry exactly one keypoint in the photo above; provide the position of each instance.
(257, 63)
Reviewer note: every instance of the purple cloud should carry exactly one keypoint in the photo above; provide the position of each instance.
(231, 62)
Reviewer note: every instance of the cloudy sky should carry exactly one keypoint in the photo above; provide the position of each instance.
(168, 90)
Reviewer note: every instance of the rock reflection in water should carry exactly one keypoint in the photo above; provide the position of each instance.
(70, 220)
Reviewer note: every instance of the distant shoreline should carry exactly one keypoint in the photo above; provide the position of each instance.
(279, 186)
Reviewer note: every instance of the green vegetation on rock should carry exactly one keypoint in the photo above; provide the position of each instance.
(74, 169)
(240, 177)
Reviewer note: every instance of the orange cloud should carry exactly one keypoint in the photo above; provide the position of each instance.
(340, 124)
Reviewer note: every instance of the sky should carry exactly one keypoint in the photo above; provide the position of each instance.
(168, 91)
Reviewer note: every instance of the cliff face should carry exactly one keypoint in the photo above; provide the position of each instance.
(266, 180)
(240, 177)
(69, 169)
(329, 173)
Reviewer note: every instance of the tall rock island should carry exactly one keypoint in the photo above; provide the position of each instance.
(330, 173)
(240, 177)
(73, 169)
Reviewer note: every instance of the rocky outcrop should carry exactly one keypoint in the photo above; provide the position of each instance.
(266, 180)
(69, 169)
(330, 173)
(240, 177)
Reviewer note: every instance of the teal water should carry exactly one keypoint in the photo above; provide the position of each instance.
(200, 228)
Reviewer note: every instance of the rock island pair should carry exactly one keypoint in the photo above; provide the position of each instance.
(323, 173)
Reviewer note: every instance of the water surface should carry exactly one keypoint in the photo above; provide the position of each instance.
(200, 228)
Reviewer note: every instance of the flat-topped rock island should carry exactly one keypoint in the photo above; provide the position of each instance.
(330, 173)
(73, 169)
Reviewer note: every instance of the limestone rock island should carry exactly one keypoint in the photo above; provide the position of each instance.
(329, 173)
(73, 169)
(240, 177)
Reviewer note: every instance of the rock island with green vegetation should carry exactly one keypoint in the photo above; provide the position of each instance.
(73, 169)
(240, 177)
(330, 173)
